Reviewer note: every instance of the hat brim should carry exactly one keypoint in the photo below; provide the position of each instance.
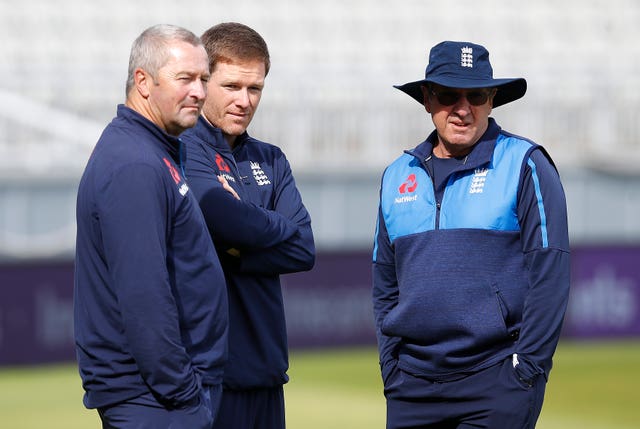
(509, 89)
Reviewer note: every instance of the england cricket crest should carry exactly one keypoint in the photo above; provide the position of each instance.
(466, 57)
(258, 174)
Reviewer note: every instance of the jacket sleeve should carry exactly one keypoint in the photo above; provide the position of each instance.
(385, 295)
(296, 253)
(134, 228)
(542, 214)
(230, 221)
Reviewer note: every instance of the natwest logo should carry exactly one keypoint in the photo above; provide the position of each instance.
(183, 188)
(409, 184)
(174, 173)
(222, 164)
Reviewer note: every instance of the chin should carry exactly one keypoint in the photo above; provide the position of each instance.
(189, 124)
(192, 118)
(235, 130)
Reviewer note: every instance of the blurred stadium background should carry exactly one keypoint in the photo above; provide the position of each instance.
(329, 103)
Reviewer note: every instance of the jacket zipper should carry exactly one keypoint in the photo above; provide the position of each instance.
(425, 164)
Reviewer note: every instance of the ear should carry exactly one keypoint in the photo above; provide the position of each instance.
(142, 82)
(494, 91)
(426, 101)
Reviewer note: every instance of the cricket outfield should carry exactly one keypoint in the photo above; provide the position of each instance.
(594, 385)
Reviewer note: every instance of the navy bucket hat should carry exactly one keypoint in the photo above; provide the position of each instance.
(464, 65)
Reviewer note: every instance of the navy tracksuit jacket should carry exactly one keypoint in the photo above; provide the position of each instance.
(150, 303)
(272, 230)
(466, 275)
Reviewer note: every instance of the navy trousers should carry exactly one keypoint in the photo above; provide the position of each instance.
(251, 409)
(145, 412)
(494, 398)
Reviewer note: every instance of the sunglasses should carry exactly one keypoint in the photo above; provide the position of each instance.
(474, 97)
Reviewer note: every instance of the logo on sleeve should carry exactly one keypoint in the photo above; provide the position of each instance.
(258, 174)
(407, 187)
(182, 186)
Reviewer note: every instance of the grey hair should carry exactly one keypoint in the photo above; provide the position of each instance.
(149, 51)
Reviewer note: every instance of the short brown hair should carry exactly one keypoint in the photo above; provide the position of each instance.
(231, 41)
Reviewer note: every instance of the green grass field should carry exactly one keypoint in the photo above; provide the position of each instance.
(592, 386)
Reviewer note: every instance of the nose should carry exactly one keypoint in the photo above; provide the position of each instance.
(198, 89)
(462, 105)
(242, 98)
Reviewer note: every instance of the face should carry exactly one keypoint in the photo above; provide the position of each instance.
(459, 120)
(234, 93)
(177, 93)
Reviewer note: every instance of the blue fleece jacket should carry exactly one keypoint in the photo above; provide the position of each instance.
(150, 302)
(271, 229)
(467, 274)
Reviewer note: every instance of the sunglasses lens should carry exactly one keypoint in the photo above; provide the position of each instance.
(449, 98)
(477, 98)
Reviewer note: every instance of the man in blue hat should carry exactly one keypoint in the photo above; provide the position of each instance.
(471, 258)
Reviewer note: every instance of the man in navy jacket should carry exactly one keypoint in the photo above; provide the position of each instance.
(471, 258)
(150, 302)
(261, 232)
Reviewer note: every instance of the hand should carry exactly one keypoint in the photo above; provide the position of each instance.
(228, 187)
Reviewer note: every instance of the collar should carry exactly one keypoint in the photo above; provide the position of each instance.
(480, 154)
(213, 136)
(166, 141)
